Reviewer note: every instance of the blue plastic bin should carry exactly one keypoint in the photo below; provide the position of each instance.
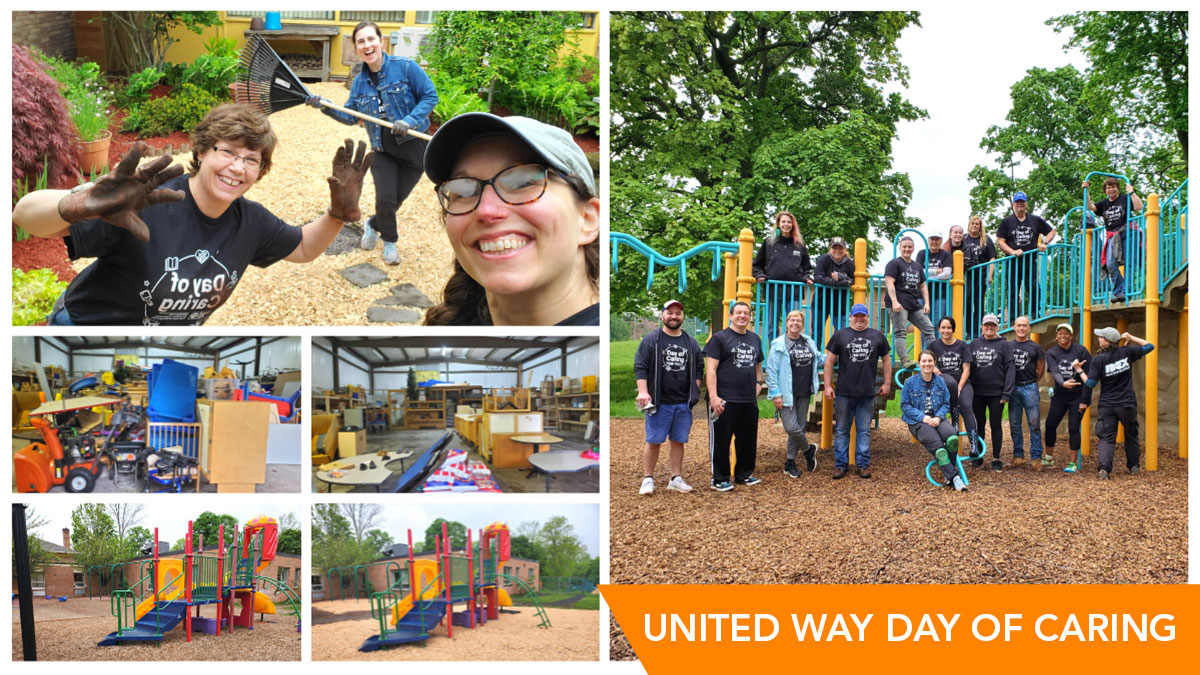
(173, 394)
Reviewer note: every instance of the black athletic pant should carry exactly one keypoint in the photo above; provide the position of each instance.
(990, 408)
(395, 176)
(1061, 406)
(1107, 418)
(1023, 278)
(738, 423)
(973, 299)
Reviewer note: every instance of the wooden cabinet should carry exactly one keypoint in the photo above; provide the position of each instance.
(574, 411)
(424, 415)
(495, 432)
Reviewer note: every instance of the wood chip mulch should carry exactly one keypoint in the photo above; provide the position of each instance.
(315, 294)
(1015, 526)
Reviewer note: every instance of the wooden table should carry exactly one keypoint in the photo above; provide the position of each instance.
(560, 461)
(319, 36)
(355, 476)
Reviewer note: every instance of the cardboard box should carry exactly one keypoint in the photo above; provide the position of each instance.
(220, 389)
(352, 443)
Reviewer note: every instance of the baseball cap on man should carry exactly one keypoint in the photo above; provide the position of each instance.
(552, 144)
(1019, 197)
(990, 318)
(670, 302)
(1111, 334)
(859, 309)
(1065, 326)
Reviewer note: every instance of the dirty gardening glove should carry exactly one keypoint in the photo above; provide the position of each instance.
(400, 128)
(345, 185)
(118, 196)
(314, 101)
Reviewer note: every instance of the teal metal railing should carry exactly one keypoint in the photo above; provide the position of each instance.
(1172, 246)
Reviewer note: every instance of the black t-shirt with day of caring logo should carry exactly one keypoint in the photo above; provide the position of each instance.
(1025, 357)
(1023, 234)
(909, 276)
(1114, 370)
(1114, 213)
(183, 274)
(736, 355)
(950, 358)
(991, 366)
(1058, 364)
(802, 359)
(858, 354)
(674, 376)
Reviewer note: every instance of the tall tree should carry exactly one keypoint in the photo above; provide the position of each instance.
(456, 530)
(208, 525)
(333, 539)
(363, 517)
(93, 536)
(560, 548)
(125, 516)
(1141, 59)
(722, 119)
(39, 556)
(289, 521)
(521, 546)
(290, 541)
(137, 542)
(375, 541)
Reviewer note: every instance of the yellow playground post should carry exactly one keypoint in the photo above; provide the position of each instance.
(1152, 302)
(1085, 337)
(1182, 379)
(861, 279)
(730, 287)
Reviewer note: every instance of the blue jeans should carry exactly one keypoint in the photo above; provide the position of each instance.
(1026, 399)
(1114, 269)
(59, 317)
(859, 410)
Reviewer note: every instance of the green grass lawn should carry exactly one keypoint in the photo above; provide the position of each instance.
(591, 601)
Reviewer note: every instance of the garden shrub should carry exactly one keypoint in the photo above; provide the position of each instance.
(454, 98)
(72, 76)
(42, 132)
(33, 295)
(137, 89)
(216, 69)
(181, 111)
(564, 95)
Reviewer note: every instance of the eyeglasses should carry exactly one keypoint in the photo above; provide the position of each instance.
(516, 185)
(250, 163)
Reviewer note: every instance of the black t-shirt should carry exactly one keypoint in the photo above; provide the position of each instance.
(802, 359)
(736, 355)
(1025, 356)
(1023, 235)
(675, 377)
(1114, 213)
(1114, 369)
(858, 354)
(588, 316)
(950, 358)
(938, 259)
(183, 274)
(909, 276)
(977, 251)
(1058, 364)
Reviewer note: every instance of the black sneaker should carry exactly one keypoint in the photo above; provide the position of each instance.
(750, 480)
(789, 467)
(810, 458)
(722, 486)
(977, 463)
(839, 473)
(997, 465)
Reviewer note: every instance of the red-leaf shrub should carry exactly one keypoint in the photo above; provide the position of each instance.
(41, 129)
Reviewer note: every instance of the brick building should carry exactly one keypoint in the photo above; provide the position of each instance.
(286, 568)
(60, 577)
(379, 575)
(51, 32)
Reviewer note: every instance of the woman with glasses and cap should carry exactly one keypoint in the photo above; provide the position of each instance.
(1112, 367)
(1070, 397)
(519, 204)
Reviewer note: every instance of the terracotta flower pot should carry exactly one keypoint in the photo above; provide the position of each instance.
(93, 155)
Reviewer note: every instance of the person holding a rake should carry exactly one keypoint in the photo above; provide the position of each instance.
(170, 248)
(396, 90)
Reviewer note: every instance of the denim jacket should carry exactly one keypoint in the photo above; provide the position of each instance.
(779, 368)
(912, 398)
(405, 91)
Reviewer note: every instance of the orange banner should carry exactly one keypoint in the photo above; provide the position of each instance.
(909, 628)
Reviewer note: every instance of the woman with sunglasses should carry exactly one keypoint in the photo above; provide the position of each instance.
(519, 203)
(397, 90)
(171, 248)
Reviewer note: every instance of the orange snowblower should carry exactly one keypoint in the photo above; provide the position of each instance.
(67, 455)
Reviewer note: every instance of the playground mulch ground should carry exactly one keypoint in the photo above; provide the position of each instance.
(1015, 526)
(315, 294)
(69, 631)
(513, 637)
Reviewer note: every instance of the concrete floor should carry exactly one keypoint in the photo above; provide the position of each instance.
(508, 480)
(280, 478)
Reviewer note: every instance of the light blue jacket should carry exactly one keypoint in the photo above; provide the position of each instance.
(912, 399)
(405, 92)
(779, 368)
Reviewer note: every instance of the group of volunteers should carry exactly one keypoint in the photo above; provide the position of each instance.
(954, 381)
(170, 248)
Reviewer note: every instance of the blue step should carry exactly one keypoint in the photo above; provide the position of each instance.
(424, 617)
(397, 637)
(152, 624)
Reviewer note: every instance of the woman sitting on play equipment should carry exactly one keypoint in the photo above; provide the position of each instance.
(527, 251)
(171, 248)
(925, 402)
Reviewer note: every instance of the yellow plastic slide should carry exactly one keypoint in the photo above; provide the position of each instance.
(428, 584)
(170, 586)
(263, 604)
(503, 597)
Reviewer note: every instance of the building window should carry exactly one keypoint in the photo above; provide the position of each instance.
(318, 582)
(508, 570)
(38, 581)
(377, 17)
(318, 16)
(281, 575)
(79, 583)
(586, 20)
(426, 16)
(297, 582)
(531, 574)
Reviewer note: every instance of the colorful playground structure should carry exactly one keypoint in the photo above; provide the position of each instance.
(425, 594)
(167, 590)
(1069, 287)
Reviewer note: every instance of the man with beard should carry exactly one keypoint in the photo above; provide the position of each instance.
(668, 369)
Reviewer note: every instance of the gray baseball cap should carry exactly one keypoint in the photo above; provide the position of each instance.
(1111, 334)
(990, 318)
(555, 146)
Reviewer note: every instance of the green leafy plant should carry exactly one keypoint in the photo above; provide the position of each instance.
(88, 107)
(71, 76)
(181, 111)
(137, 89)
(454, 98)
(216, 69)
(40, 183)
(33, 295)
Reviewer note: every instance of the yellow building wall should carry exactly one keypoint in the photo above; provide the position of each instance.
(189, 45)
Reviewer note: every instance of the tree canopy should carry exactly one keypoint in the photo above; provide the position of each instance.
(456, 530)
(722, 119)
